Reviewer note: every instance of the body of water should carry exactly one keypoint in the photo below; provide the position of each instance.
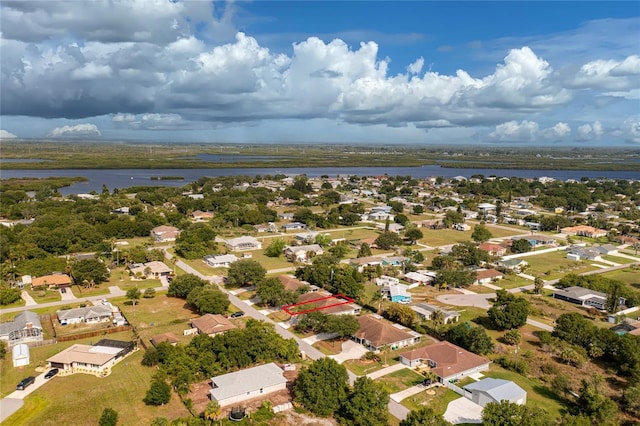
(124, 178)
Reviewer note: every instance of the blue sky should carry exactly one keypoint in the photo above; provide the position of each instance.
(513, 73)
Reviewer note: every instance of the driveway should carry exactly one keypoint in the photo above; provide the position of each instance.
(12, 402)
(350, 350)
(462, 410)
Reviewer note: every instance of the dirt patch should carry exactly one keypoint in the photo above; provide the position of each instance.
(297, 419)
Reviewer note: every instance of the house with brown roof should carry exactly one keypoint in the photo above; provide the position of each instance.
(200, 216)
(291, 283)
(97, 359)
(446, 360)
(164, 337)
(486, 276)
(375, 333)
(51, 281)
(165, 233)
(154, 269)
(493, 249)
(303, 253)
(212, 324)
(584, 231)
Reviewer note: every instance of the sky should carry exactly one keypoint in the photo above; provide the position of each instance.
(364, 72)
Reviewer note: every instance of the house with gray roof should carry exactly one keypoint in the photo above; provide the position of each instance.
(426, 311)
(24, 328)
(583, 297)
(90, 315)
(495, 390)
(239, 386)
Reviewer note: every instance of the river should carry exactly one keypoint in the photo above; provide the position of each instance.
(124, 178)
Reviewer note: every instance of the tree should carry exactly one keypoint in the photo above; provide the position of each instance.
(512, 337)
(208, 300)
(508, 311)
(322, 386)
(593, 403)
(402, 314)
(388, 240)
(364, 250)
(149, 293)
(182, 285)
(424, 417)
(133, 294)
(413, 234)
(613, 297)
(245, 272)
(481, 233)
(272, 292)
(109, 417)
(275, 248)
(507, 413)
(339, 250)
(538, 285)
(342, 325)
(631, 400)
(159, 393)
(9, 295)
(520, 246)
(89, 270)
(474, 339)
(367, 404)
(211, 411)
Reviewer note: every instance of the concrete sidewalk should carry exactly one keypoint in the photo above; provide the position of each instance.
(413, 390)
(385, 371)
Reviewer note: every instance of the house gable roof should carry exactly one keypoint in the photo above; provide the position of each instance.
(449, 358)
(212, 324)
(53, 279)
(20, 322)
(380, 333)
(87, 312)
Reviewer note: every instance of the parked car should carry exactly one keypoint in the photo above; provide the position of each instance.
(51, 373)
(24, 383)
(237, 314)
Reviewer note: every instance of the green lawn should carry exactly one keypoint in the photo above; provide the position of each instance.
(82, 292)
(627, 276)
(443, 237)
(80, 398)
(555, 265)
(362, 367)
(400, 380)
(503, 233)
(44, 296)
(438, 402)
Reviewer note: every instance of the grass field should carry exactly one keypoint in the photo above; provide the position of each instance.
(400, 380)
(362, 367)
(443, 237)
(555, 265)
(44, 296)
(627, 276)
(438, 402)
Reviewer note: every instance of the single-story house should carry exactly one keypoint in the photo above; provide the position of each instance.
(165, 233)
(361, 262)
(486, 207)
(286, 216)
(239, 386)
(584, 230)
(212, 324)
(446, 360)
(20, 355)
(269, 227)
(291, 283)
(495, 390)
(375, 333)
(398, 293)
(486, 276)
(303, 253)
(387, 280)
(537, 240)
(220, 260)
(97, 359)
(513, 264)
(200, 216)
(420, 277)
(583, 297)
(89, 314)
(154, 269)
(243, 243)
(393, 227)
(586, 253)
(493, 249)
(431, 224)
(308, 237)
(293, 226)
(51, 281)
(393, 261)
(25, 327)
(164, 337)
(425, 311)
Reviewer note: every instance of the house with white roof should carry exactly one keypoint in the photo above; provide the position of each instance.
(239, 386)
(25, 327)
(495, 390)
(243, 243)
(220, 260)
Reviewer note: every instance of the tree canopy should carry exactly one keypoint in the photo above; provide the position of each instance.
(508, 311)
(245, 272)
(322, 387)
(182, 285)
(208, 299)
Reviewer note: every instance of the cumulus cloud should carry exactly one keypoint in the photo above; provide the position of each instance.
(587, 132)
(416, 67)
(558, 132)
(629, 130)
(610, 74)
(529, 131)
(78, 130)
(6, 135)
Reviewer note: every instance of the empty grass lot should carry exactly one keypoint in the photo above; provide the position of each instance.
(400, 380)
(44, 296)
(444, 237)
(438, 402)
(555, 265)
(627, 276)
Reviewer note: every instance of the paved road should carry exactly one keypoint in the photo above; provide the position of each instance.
(539, 324)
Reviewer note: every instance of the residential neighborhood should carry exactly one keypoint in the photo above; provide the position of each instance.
(444, 300)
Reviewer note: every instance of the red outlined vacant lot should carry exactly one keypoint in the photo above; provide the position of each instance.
(317, 304)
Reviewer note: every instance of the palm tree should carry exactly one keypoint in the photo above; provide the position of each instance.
(538, 284)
